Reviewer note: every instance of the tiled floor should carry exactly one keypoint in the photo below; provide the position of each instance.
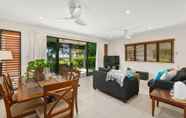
(95, 104)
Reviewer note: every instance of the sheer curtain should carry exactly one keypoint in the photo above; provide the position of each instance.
(38, 45)
(34, 46)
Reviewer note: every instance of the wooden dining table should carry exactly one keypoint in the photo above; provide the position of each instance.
(31, 89)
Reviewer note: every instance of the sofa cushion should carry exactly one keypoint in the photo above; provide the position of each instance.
(171, 75)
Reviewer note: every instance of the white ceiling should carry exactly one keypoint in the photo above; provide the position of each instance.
(104, 18)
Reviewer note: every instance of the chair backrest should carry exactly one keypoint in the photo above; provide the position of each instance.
(63, 68)
(7, 88)
(7, 96)
(72, 74)
(64, 91)
(9, 82)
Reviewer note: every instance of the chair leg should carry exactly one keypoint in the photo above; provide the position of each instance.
(76, 104)
(157, 104)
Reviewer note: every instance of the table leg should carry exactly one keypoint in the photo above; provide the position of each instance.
(153, 106)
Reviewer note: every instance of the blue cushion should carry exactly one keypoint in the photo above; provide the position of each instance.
(160, 73)
(130, 74)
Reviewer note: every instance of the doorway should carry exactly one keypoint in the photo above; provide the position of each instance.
(71, 53)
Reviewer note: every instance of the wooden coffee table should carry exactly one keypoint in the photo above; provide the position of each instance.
(159, 95)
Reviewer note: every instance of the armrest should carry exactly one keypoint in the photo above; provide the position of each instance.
(131, 86)
(162, 84)
(99, 78)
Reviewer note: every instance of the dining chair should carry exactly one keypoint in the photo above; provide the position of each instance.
(9, 82)
(62, 107)
(63, 69)
(74, 74)
(13, 108)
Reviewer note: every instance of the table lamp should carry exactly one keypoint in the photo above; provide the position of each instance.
(5, 55)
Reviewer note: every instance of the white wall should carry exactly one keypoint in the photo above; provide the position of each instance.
(178, 32)
(33, 41)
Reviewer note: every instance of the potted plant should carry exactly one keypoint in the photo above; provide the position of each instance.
(37, 66)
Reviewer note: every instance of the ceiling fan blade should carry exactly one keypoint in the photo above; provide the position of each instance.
(76, 13)
(80, 22)
(69, 18)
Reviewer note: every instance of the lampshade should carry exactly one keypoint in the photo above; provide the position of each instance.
(5, 55)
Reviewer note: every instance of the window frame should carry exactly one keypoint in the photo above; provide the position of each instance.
(158, 42)
(134, 51)
(172, 50)
(144, 53)
(157, 54)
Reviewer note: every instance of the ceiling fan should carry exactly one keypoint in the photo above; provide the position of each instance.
(75, 9)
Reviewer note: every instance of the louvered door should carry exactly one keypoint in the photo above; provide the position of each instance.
(11, 40)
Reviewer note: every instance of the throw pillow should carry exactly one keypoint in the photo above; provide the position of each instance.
(130, 73)
(171, 74)
(164, 76)
(159, 74)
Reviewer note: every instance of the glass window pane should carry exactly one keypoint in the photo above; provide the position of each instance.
(64, 54)
(52, 53)
(140, 52)
(78, 54)
(152, 52)
(91, 50)
(165, 52)
(130, 53)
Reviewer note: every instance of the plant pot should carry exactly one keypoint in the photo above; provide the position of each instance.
(39, 76)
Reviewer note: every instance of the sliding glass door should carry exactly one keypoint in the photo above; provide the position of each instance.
(91, 57)
(73, 55)
(52, 49)
(78, 56)
(63, 53)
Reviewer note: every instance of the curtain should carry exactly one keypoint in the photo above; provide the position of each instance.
(34, 46)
